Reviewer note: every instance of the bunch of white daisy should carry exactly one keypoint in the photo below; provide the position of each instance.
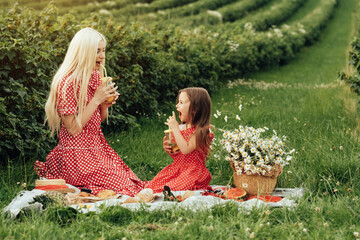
(251, 153)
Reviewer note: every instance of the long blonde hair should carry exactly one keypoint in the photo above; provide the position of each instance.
(78, 64)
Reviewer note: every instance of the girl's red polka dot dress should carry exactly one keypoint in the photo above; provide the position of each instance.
(187, 172)
(87, 160)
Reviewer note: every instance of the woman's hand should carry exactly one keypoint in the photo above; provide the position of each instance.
(103, 92)
(171, 121)
(107, 104)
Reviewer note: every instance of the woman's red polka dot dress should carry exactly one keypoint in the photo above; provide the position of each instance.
(187, 172)
(87, 160)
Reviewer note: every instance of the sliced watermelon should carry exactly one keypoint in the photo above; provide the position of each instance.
(267, 198)
(51, 187)
(235, 193)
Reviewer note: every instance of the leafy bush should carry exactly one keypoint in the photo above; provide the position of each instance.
(151, 62)
(353, 78)
(195, 8)
(136, 9)
(354, 61)
(263, 19)
(31, 49)
(228, 13)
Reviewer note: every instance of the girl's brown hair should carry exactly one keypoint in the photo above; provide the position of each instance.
(200, 112)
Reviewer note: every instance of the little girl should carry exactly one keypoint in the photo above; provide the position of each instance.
(77, 104)
(193, 138)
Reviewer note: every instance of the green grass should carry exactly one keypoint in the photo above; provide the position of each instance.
(290, 99)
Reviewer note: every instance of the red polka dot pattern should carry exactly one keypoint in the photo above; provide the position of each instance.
(87, 160)
(187, 172)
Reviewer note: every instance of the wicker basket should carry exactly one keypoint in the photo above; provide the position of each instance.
(256, 184)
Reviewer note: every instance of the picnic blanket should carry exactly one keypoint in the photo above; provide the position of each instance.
(195, 203)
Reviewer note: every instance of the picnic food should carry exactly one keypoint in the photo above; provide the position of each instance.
(85, 206)
(235, 193)
(53, 185)
(85, 197)
(169, 196)
(47, 182)
(105, 194)
(132, 200)
(266, 198)
(146, 195)
(85, 194)
(187, 194)
(82, 197)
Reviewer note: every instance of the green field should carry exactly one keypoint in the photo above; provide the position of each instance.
(299, 96)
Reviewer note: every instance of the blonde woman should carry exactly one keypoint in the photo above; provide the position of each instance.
(74, 110)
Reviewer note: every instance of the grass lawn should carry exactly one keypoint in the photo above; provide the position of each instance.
(302, 100)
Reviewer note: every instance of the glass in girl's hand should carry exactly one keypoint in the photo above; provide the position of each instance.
(171, 141)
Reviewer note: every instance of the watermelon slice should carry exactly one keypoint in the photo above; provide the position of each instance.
(235, 193)
(51, 187)
(267, 198)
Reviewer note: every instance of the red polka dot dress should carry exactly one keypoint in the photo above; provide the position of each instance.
(187, 172)
(87, 160)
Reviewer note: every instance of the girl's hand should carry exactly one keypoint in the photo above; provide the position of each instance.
(166, 146)
(171, 121)
(103, 92)
(107, 104)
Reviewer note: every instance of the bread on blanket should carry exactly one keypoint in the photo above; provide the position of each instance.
(146, 195)
(84, 194)
(71, 198)
(50, 182)
(84, 197)
(132, 200)
(64, 190)
(187, 194)
(105, 194)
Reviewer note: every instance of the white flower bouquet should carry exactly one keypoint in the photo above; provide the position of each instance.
(249, 153)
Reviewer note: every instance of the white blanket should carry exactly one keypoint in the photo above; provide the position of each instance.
(194, 203)
(198, 202)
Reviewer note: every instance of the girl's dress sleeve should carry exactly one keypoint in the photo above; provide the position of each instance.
(67, 103)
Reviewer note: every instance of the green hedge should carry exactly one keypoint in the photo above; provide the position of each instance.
(138, 9)
(229, 13)
(265, 18)
(195, 8)
(353, 76)
(152, 64)
(146, 61)
(40, 4)
(31, 48)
